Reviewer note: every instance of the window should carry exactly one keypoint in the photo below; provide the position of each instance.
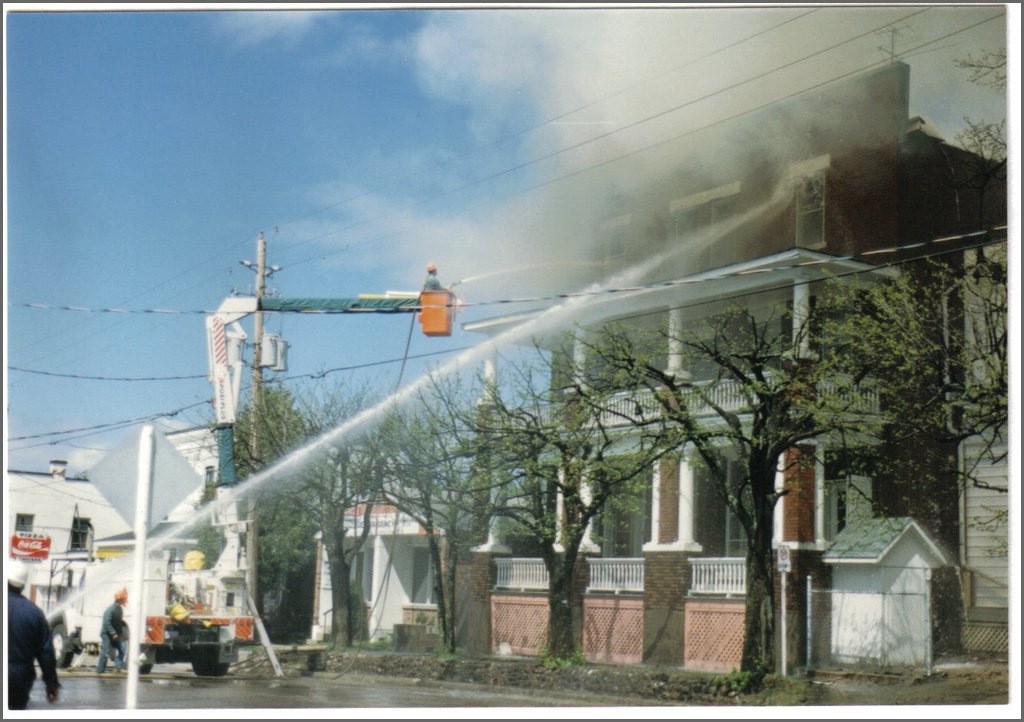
(848, 491)
(81, 534)
(210, 476)
(810, 211)
(24, 522)
(735, 534)
(422, 577)
(809, 192)
(625, 522)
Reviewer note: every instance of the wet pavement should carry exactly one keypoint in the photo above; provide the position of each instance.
(174, 687)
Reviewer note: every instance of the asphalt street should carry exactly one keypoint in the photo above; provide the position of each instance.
(174, 687)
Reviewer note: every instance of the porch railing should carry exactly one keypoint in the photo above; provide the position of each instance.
(725, 576)
(731, 397)
(522, 574)
(616, 575)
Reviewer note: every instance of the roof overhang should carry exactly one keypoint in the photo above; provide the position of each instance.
(774, 272)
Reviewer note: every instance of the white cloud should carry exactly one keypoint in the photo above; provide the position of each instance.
(254, 27)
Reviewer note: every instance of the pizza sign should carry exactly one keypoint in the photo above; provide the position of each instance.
(26, 545)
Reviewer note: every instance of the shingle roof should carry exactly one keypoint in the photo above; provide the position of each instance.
(869, 540)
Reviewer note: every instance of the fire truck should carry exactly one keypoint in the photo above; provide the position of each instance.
(192, 614)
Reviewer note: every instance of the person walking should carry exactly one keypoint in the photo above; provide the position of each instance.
(111, 633)
(28, 641)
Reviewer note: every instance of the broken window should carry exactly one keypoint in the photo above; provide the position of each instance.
(81, 534)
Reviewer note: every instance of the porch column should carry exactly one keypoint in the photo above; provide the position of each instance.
(675, 344)
(655, 506)
(579, 358)
(587, 546)
(380, 568)
(779, 513)
(672, 529)
(801, 313)
(820, 505)
(686, 507)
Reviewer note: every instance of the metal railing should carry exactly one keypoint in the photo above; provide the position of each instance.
(616, 575)
(725, 576)
(522, 574)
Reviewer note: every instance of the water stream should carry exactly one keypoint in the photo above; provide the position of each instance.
(552, 319)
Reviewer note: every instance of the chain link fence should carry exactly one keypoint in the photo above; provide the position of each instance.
(869, 631)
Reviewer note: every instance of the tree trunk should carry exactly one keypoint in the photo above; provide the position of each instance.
(759, 624)
(561, 631)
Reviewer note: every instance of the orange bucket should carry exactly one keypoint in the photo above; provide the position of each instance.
(437, 312)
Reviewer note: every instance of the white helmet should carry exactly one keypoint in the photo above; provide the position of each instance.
(18, 574)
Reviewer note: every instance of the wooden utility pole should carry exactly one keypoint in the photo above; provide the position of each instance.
(251, 552)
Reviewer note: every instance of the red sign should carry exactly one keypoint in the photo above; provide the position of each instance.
(26, 545)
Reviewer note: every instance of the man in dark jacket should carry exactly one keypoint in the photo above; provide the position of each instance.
(28, 642)
(111, 633)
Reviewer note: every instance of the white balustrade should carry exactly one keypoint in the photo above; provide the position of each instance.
(725, 576)
(522, 574)
(616, 575)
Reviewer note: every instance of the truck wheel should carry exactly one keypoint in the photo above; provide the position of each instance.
(63, 650)
(205, 663)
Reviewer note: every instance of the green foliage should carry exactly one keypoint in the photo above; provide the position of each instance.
(739, 682)
(552, 661)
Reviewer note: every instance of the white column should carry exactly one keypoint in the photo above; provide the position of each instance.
(801, 312)
(686, 507)
(559, 512)
(780, 484)
(380, 568)
(675, 344)
(655, 505)
(587, 545)
(819, 498)
(684, 540)
(579, 359)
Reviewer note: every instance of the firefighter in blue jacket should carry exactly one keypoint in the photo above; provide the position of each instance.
(28, 642)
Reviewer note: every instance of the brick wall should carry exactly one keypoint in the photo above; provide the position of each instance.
(666, 581)
(668, 489)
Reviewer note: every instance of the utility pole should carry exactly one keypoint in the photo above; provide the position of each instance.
(251, 552)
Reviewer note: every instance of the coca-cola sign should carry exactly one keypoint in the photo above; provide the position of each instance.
(26, 545)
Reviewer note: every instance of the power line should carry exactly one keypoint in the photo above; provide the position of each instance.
(988, 240)
(106, 378)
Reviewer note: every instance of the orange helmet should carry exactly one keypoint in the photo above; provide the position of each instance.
(431, 267)
(121, 595)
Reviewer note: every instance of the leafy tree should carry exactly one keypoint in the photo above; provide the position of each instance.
(433, 478)
(337, 492)
(935, 338)
(284, 552)
(761, 395)
(557, 440)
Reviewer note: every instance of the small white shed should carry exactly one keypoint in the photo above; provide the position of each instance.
(881, 593)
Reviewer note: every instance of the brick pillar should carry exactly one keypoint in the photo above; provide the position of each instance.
(476, 576)
(666, 581)
(798, 504)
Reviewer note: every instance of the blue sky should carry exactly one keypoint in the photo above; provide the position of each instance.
(146, 151)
